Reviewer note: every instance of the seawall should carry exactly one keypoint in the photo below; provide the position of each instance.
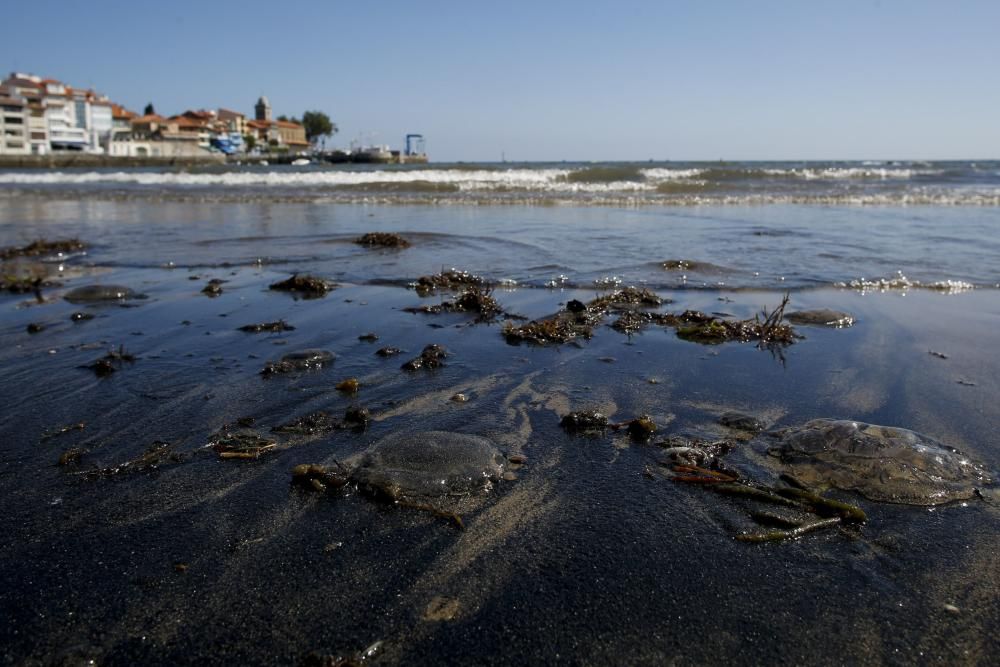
(85, 160)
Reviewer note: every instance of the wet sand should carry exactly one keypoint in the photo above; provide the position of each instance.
(584, 558)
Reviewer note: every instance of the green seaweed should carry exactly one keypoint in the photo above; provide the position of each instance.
(792, 533)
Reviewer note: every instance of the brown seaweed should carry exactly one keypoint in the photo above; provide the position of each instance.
(273, 327)
(309, 287)
(43, 248)
(382, 240)
(450, 280)
(474, 299)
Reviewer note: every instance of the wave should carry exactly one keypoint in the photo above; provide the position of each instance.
(544, 184)
(606, 174)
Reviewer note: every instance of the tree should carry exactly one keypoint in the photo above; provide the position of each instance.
(283, 117)
(250, 141)
(149, 110)
(317, 125)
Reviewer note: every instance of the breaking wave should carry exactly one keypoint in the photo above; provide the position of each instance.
(589, 184)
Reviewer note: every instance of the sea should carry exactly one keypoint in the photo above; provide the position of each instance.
(130, 540)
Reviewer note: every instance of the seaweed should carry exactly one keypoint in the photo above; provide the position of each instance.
(640, 429)
(627, 296)
(274, 327)
(110, 362)
(310, 424)
(41, 247)
(213, 288)
(451, 280)
(474, 299)
(791, 533)
(348, 386)
(431, 357)
(310, 287)
(156, 454)
(315, 423)
(318, 477)
(382, 240)
(240, 444)
(586, 421)
(577, 320)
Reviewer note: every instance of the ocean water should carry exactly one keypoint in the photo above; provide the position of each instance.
(592, 554)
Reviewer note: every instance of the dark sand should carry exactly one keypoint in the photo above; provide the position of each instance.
(592, 555)
(582, 559)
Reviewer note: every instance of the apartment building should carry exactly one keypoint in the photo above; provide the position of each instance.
(14, 137)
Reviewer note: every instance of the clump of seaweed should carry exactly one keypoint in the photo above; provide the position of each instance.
(72, 456)
(382, 240)
(629, 296)
(679, 265)
(150, 460)
(110, 362)
(348, 385)
(318, 422)
(213, 288)
(318, 477)
(451, 280)
(767, 328)
(20, 284)
(310, 424)
(240, 444)
(557, 329)
(577, 319)
(474, 299)
(303, 360)
(640, 429)
(273, 327)
(432, 356)
(585, 421)
(310, 287)
(43, 248)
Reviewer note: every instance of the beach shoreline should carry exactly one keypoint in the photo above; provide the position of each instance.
(591, 553)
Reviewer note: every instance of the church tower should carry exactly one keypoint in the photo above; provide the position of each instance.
(262, 110)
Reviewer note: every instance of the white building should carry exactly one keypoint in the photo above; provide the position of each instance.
(61, 118)
(14, 137)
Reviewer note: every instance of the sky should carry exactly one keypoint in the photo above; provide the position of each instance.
(553, 80)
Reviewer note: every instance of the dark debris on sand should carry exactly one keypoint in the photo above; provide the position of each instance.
(577, 320)
(306, 285)
(474, 299)
(273, 327)
(19, 284)
(43, 248)
(156, 455)
(110, 362)
(631, 304)
(213, 287)
(450, 280)
(315, 423)
(585, 421)
(432, 356)
(382, 240)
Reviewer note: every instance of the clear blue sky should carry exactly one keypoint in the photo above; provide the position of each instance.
(554, 80)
